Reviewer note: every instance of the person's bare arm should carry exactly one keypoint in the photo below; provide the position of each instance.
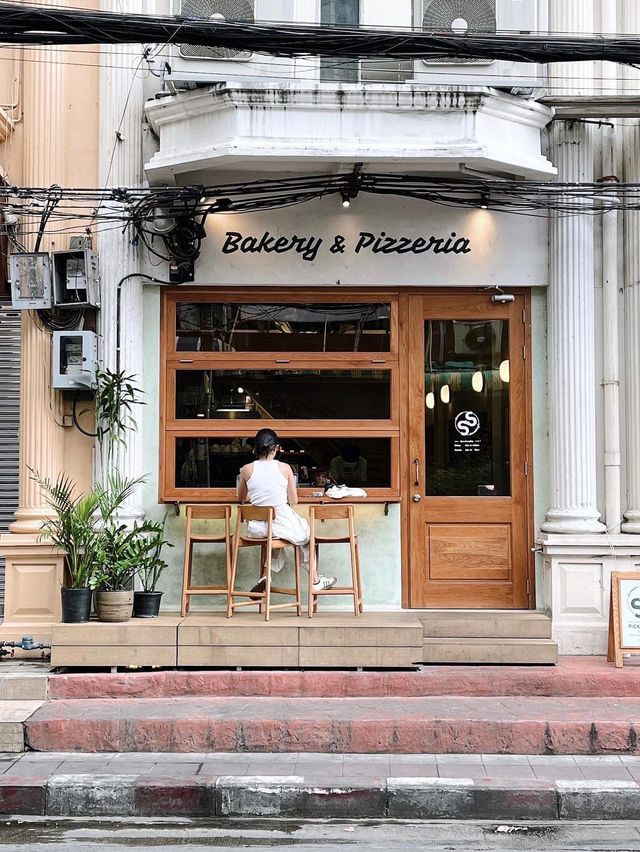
(243, 491)
(292, 491)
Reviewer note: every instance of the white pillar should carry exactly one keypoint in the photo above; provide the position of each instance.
(572, 380)
(632, 335)
(121, 320)
(571, 17)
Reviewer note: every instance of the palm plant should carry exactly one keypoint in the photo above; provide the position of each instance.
(74, 527)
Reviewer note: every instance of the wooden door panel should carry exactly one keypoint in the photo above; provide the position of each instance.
(469, 546)
(469, 551)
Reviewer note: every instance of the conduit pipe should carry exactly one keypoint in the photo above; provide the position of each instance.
(610, 345)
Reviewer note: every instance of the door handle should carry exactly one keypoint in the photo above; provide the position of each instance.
(416, 498)
(417, 466)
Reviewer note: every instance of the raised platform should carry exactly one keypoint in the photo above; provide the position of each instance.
(208, 640)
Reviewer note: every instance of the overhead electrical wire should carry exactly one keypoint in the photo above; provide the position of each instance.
(123, 207)
(59, 26)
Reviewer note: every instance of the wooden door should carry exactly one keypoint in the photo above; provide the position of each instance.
(466, 473)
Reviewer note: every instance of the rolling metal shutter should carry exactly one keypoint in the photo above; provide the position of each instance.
(9, 419)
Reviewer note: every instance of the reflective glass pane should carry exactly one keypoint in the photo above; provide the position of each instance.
(283, 394)
(215, 462)
(467, 408)
(231, 327)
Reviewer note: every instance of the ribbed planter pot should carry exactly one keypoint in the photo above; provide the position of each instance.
(114, 606)
(76, 605)
(146, 604)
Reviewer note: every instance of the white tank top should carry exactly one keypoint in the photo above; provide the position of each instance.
(266, 485)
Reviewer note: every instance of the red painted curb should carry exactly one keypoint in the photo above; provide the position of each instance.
(188, 797)
(573, 676)
(26, 796)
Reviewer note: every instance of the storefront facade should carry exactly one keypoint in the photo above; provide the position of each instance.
(477, 372)
(427, 375)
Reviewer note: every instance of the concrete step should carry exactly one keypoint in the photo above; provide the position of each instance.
(572, 676)
(486, 650)
(434, 725)
(487, 624)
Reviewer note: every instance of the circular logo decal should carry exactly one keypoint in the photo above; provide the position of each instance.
(467, 423)
(633, 599)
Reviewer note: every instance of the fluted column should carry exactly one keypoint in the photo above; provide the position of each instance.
(41, 439)
(572, 380)
(571, 16)
(121, 112)
(632, 335)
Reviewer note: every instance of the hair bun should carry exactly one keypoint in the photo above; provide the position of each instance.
(264, 442)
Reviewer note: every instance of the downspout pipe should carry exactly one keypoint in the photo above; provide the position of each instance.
(610, 347)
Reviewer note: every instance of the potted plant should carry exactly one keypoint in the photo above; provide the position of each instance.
(73, 529)
(146, 602)
(118, 548)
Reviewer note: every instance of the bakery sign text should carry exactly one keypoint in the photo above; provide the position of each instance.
(308, 247)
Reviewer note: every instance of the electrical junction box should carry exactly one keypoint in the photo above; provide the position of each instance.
(30, 274)
(74, 359)
(76, 279)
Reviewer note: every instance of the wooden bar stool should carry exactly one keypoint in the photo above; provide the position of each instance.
(205, 513)
(331, 513)
(266, 545)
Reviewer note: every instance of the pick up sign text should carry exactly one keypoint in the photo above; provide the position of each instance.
(308, 247)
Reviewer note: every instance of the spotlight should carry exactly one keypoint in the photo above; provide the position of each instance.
(445, 394)
(484, 201)
(346, 201)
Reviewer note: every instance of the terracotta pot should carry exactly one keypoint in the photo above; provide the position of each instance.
(114, 606)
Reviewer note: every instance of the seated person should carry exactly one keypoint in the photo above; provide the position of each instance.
(269, 482)
(349, 468)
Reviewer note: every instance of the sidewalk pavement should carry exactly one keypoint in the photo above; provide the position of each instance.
(320, 785)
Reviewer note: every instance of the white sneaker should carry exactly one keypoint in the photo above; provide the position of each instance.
(339, 491)
(324, 583)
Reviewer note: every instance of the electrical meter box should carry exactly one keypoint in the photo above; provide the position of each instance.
(74, 359)
(30, 275)
(76, 279)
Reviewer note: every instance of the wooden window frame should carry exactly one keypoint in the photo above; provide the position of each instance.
(172, 360)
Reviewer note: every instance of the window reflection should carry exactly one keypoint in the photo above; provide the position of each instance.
(283, 394)
(467, 408)
(234, 327)
(214, 462)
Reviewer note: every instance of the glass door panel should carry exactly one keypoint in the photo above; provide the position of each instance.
(466, 417)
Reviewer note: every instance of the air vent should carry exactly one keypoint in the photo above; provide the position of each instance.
(460, 17)
(216, 10)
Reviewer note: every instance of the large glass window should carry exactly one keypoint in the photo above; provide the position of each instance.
(320, 327)
(214, 462)
(323, 373)
(283, 394)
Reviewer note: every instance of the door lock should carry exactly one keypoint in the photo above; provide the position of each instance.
(416, 498)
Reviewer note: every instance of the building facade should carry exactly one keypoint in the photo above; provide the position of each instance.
(476, 371)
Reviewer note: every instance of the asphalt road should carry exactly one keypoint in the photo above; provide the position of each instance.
(42, 834)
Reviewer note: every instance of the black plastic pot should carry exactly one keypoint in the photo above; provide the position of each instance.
(76, 605)
(146, 604)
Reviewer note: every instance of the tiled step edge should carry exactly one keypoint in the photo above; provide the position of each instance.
(291, 796)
